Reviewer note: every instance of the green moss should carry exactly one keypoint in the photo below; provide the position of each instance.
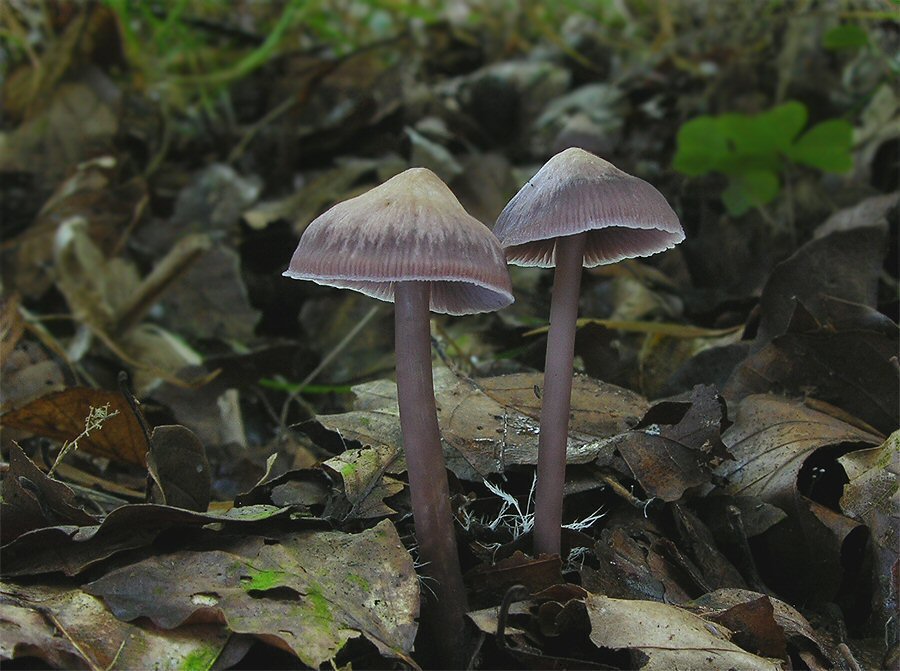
(891, 445)
(320, 608)
(348, 470)
(359, 580)
(261, 581)
(200, 659)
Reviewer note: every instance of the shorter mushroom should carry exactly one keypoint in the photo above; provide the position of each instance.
(577, 211)
(410, 242)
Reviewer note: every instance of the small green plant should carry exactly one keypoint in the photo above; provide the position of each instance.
(93, 422)
(753, 150)
(845, 36)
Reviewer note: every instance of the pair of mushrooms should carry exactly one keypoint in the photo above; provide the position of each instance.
(411, 242)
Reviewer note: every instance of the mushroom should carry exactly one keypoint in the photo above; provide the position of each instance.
(410, 242)
(577, 211)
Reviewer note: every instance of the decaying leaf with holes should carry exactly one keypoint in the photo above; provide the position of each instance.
(307, 592)
(70, 629)
(871, 496)
(786, 454)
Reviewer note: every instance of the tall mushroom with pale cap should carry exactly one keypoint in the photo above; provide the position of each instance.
(577, 211)
(410, 242)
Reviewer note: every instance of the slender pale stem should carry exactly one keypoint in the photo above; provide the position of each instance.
(430, 494)
(557, 395)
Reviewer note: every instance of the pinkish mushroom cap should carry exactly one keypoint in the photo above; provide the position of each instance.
(577, 192)
(411, 228)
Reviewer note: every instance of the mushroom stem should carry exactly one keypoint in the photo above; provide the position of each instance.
(557, 394)
(430, 494)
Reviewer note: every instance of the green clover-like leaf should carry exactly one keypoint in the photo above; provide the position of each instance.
(749, 189)
(825, 146)
(701, 146)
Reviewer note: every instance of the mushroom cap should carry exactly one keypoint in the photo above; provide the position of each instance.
(577, 192)
(410, 228)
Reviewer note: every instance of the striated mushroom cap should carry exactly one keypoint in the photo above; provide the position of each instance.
(411, 228)
(577, 192)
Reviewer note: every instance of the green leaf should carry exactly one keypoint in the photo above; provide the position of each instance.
(739, 131)
(846, 36)
(749, 189)
(825, 146)
(766, 133)
(784, 123)
(701, 146)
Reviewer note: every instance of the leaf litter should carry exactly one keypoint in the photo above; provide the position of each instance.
(310, 592)
(732, 459)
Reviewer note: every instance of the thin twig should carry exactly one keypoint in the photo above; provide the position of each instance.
(294, 396)
(513, 594)
(619, 489)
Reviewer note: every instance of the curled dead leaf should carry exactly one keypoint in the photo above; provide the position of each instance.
(660, 636)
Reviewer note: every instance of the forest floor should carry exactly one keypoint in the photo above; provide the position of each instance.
(202, 462)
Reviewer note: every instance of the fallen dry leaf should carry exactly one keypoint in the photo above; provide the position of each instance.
(364, 473)
(178, 466)
(701, 547)
(675, 445)
(337, 314)
(663, 637)
(309, 592)
(758, 620)
(845, 361)
(517, 569)
(598, 409)
(490, 424)
(871, 493)
(772, 440)
(843, 265)
(62, 416)
(210, 205)
(12, 326)
(71, 549)
(871, 496)
(25, 632)
(313, 198)
(754, 628)
(626, 550)
(28, 373)
(95, 287)
(31, 500)
(870, 212)
(211, 300)
(80, 116)
(637, 560)
(92, 193)
(71, 629)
